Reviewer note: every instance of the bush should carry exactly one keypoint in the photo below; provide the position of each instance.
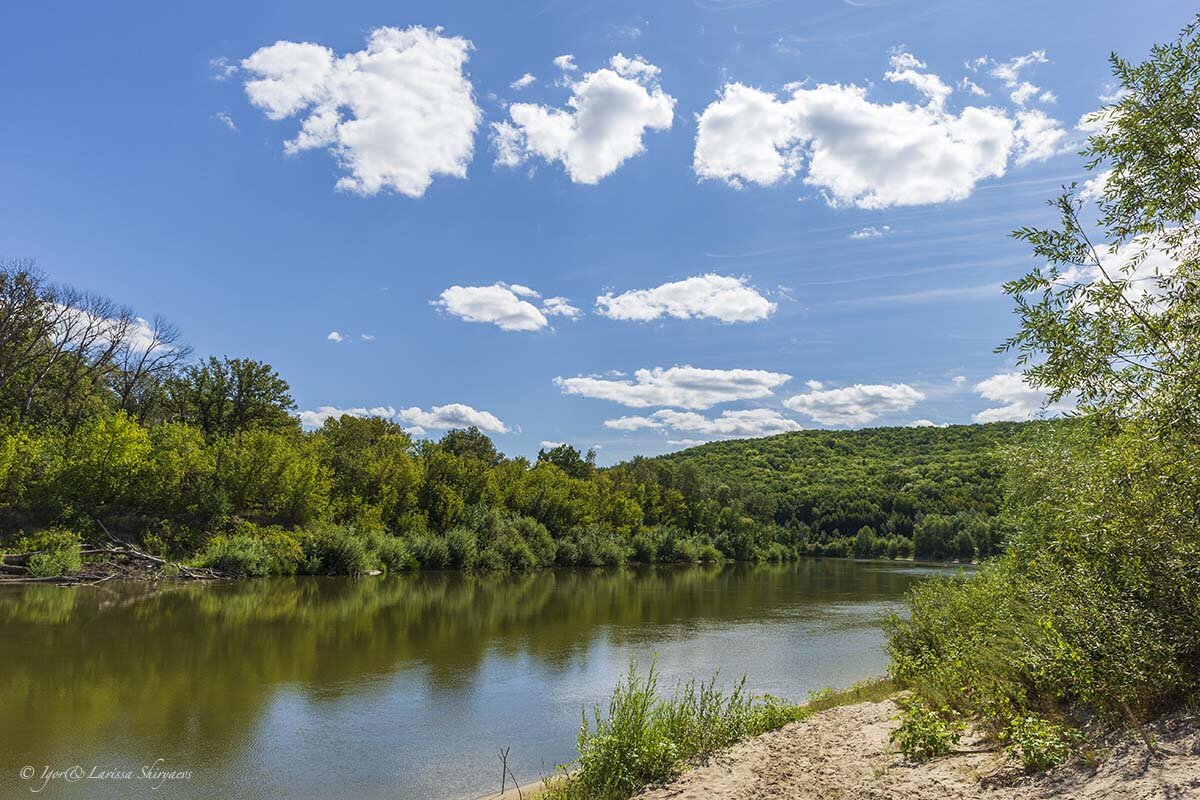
(462, 548)
(57, 552)
(391, 552)
(335, 550)
(1039, 743)
(644, 738)
(924, 733)
(240, 555)
(431, 551)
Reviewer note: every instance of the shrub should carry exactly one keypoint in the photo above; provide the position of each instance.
(462, 548)
(391, 552)
(1039, 743)
(645, 548)
(431, 551)
(335, 550)
(925, 733)
(57, 552)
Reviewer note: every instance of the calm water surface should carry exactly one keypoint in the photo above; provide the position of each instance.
(399, 687)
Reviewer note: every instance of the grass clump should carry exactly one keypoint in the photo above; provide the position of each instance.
(643, 737)
(55, 552)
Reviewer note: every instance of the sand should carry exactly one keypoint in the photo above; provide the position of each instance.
(844, 754)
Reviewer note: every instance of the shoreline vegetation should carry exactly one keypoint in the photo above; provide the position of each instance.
(1075, 649)
(113, 436)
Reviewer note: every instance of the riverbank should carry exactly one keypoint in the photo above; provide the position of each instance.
(844, 753)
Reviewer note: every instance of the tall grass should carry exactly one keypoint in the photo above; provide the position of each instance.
(643, 737)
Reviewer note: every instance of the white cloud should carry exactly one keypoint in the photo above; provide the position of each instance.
(222, 70)
(1039, 137)
(905, 69)
(1009, 72)
(1094, 187)
(706, 296)
(871, 232)
(520, 83)
(959, 380)
(565, 62)
(678, 386)
(729, 425)
(226, 120)
(854, 405)
(454, 415)
(1018, 400)
(686, 442)
(367, 337)
(560, 306)
(502, 305)
(548, 445)
(927, 423)
(862, 153)
(608, 113)
(315, 419)
(334, 336)
(395, 114)
(968, 85)
(1142, 264)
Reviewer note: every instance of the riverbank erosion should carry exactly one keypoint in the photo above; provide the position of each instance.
(845, 753)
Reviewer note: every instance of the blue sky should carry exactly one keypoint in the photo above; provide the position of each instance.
(144, 156)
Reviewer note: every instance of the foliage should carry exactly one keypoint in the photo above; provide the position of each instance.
(643, 738)
(1093, 612)
(55, 552)
(926, 733)
(1038, 743)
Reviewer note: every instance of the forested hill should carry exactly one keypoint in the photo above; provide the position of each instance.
(888, 479)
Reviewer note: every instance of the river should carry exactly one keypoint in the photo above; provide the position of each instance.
(396, 687)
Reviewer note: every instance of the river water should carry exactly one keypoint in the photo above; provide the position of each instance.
(397, 687)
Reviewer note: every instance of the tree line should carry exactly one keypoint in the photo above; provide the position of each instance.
(107, 419)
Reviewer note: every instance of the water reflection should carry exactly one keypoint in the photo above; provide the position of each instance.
(406, 678)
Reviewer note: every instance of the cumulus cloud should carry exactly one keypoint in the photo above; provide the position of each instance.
(315, 419)
(394, 115)
(927, 423)
(1018, 400)
(335, 336)
(520, 83)
(871, 232)
(226, 120)
(454, 415)
(546, 444)
(859, 152)
(565, 62)
(501, 304)
(1038, 137)
(854, 405)
(729, 425)
(606, 117)
(678, 386)
(713, 296)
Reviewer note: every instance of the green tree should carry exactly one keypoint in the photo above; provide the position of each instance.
(229, 396)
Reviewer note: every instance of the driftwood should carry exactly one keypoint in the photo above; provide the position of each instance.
(119, 559)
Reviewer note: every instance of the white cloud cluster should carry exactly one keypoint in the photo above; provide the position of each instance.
(862, 153)
(608, 113)
(927, 423)
(720, 297)
(729, 425)
(871, 232)
(505, 305)
(454, 415)
(678, 386)
(315, 419)
(520, 83)
(853, 405)
(1018, 400)
(395, 114)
